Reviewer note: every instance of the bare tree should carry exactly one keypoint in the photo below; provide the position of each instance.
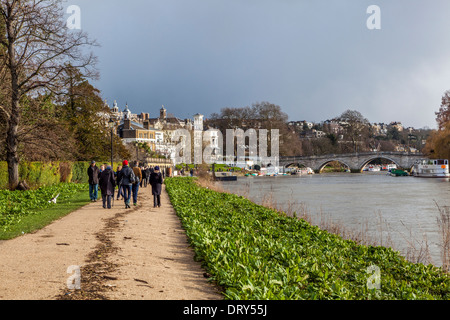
(443, 115)
(261, 115)
(42, 135)
(36, 48)
(356, 127)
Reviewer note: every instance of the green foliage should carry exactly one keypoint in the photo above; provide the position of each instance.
(254, 252)
(38, 174)
(14, 205)
(81, 111)
(65, 171)
(143, 146)
(79, 172)
(3, 175)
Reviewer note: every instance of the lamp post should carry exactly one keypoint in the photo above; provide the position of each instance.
(111, 124)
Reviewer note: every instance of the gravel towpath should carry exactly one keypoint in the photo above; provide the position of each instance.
(140, 253)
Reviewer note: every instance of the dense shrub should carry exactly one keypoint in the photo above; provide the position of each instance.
(35, 174)
(257, 253)
(38, 174)
(79, 172)
(65, 172)
(3, 175)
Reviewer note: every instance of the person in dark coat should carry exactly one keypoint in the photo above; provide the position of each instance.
(93, 173)
(120, 190)
(156, 182)
(107, 184)
(124, 178)
(135, 186)
(144, 178)
(147, 174)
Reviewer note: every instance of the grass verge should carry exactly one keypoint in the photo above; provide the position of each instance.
(254, 252)
(41, 217)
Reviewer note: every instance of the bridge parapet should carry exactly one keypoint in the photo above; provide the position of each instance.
(355, 161)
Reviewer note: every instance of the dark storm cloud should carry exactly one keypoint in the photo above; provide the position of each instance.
(313, 58)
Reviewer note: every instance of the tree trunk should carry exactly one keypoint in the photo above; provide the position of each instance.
(13, 172)
(37, 45)
(12, 142)
(11, 150)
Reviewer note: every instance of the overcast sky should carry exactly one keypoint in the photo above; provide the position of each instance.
(314, 58)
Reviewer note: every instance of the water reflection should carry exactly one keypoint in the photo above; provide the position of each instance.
(400, 212)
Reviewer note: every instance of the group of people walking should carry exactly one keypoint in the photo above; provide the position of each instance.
(128, 179)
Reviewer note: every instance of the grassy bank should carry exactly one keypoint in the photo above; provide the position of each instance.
(27, 211)
(253, 252)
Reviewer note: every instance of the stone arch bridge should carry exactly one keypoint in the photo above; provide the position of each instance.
(355, 161)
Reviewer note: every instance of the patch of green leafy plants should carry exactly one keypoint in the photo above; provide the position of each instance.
(18, 206)
(253, 252)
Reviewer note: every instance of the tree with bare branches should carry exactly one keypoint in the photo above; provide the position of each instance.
(42, 135)
(261, 115)
(36, 48)
(356, 127)
(443, 115)
(438, 143)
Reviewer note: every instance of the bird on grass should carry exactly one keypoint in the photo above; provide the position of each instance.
(54, 199)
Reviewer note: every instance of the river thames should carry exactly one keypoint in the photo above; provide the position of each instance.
(400, 212)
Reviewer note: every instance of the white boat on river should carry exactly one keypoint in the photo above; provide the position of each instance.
(431, 168)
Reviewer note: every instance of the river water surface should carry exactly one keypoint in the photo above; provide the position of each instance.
(400, 212)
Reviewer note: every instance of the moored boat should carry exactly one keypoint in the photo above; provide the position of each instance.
(431, 168)
(398, 173)
(390, 167)
(302, 171)
(225, 176)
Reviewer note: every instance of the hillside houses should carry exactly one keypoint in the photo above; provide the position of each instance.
(391, 136)
(157, 132)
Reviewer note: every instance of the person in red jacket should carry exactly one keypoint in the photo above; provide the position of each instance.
(125, 179)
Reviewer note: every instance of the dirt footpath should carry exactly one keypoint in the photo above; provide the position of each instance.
(139, 253)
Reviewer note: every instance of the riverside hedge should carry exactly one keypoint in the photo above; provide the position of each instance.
(253, 252)
(39, 174)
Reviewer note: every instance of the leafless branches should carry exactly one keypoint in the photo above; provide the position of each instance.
(40, 46)
(36, 48)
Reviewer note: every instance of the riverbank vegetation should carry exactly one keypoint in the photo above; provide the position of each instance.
(254, 252)
(438, 144)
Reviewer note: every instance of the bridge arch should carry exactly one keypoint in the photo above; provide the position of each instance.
(370, 159)
(324, 164)
(297, 164)
(355, 161)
